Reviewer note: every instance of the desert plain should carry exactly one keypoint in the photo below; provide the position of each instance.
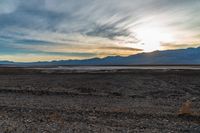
(46, 100)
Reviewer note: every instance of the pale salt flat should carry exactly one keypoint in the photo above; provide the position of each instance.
(109, 68)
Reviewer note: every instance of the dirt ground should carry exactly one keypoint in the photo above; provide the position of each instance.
(36, 101)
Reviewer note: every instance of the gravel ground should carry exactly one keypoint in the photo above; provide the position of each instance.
(36, 101)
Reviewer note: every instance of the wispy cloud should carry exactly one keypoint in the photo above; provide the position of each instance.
(90, 28)
(8, 6)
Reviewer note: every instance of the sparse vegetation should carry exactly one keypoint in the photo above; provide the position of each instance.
(186, 109)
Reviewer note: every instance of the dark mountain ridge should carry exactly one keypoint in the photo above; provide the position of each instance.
(173, 57)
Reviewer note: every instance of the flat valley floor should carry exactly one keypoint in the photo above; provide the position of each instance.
(47, 101)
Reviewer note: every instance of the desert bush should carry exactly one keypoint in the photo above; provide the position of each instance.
(186, 108)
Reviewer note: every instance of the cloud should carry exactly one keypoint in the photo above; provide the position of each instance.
(92, 27)
(8, 6)
(178, 46)
(122, 48)
(109, 30)
(30, 57)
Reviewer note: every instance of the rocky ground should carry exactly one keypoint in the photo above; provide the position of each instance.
(38, 101)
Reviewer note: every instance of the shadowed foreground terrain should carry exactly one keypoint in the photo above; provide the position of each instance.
(48, 101)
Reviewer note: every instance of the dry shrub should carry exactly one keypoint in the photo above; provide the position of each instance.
(186, 108)
(56, 117)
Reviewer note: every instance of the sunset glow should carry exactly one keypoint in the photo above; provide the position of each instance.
(151, 38)
(40, 30)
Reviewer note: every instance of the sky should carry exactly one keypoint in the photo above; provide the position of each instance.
(46, 30)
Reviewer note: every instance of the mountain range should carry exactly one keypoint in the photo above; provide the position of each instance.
(174, 57)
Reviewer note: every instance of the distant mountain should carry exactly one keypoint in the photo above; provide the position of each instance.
(6, 62)
(181, 56)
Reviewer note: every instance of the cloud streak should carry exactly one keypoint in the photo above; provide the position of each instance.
(91, 28)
